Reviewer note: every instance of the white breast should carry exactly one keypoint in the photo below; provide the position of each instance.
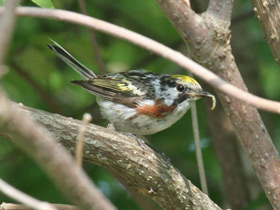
(128, 120)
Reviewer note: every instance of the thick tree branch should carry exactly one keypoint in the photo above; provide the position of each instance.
(201, 42)
(226, 146)
(268, 15)
(246, 120)
(235, 183)
(148, 173)
(221, 9)
(52, 157)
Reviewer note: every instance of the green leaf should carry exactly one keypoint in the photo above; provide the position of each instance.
(44, 3)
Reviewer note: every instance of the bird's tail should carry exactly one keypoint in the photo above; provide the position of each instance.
(71, 61)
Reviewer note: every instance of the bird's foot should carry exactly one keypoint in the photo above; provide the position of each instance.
(167, 159)
(140, 141)
(111, 127)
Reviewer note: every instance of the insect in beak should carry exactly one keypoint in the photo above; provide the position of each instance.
(209, 95)
(203, 93)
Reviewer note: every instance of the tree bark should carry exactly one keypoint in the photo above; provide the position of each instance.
(38, 143)
(208, 38)
(148, 173)
(227, 149)
(268, 15)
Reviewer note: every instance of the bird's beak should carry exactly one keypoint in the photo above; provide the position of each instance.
(206, 94)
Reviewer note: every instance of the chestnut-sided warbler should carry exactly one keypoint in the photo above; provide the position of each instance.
(137, 101)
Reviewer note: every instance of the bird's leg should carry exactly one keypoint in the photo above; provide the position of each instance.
(140, 141)
(167, 159)
(111, 127)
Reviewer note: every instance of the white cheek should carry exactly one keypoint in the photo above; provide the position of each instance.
(169, 96)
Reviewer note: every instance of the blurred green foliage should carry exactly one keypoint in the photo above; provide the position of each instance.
(44, 3)
(30, 58)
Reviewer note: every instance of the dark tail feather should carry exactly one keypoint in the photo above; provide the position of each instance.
(87, 86)
(71, 61)
(95, 90)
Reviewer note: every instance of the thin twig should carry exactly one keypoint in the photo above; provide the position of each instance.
(12, 206)
(199, 157)
(80, 142)
(93, 39)
(160, 49)
(175, 45)
(198, 152)
(6, 27)
(24, 198)
(152, 56)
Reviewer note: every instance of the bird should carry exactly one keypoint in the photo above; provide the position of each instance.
(138, 101)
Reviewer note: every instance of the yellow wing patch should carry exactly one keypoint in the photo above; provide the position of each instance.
(127, 86)
(124, 86)
(186, 79)
(121, 85)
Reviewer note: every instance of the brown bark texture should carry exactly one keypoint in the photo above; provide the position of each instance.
(208, 38)
(235, 182)
(147, 173)
(226, 146)
(58, 164)
(268, 15)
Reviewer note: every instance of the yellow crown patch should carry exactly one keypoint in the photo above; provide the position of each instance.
(186, 79)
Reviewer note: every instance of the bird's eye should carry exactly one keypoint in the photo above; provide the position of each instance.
(180, 88)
